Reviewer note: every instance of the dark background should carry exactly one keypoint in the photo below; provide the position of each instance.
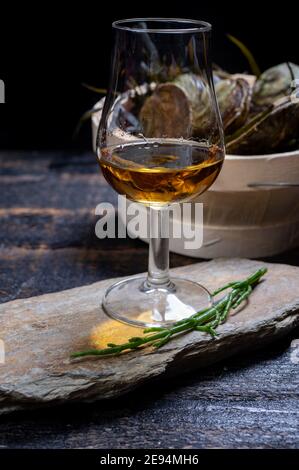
(49, 49)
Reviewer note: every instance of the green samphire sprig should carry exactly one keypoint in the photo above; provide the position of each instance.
(206, 320)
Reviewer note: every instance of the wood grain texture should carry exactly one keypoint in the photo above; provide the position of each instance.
(47, 220)
(249, 401)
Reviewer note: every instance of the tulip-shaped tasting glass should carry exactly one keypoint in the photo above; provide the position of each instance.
(160, 141)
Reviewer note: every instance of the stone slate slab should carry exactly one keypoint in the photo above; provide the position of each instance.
(39, 334)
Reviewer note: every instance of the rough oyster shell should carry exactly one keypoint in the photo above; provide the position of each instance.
(274, 83)
(269, 130)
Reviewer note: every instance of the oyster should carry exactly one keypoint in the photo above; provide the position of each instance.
(181, 107)
(274, 83)
(166, 113)
(271, 129)
(234, 97)
(171, 109)
(259, 115)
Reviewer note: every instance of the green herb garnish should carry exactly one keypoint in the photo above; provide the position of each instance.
(206, 320)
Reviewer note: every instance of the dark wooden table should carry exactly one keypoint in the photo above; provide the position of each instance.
(47, 243)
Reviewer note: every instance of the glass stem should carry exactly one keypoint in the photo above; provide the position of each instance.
(158, 261)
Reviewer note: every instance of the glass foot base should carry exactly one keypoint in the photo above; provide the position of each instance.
(129, 302)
